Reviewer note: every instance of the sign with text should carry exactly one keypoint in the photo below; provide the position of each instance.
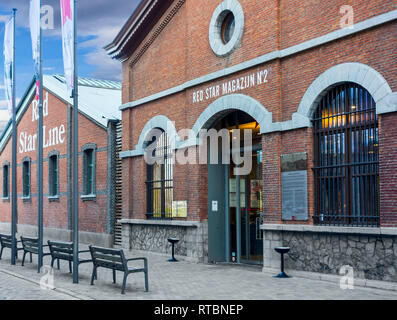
(294, 195)
(51, 136)
(179, 209)
(231, 86)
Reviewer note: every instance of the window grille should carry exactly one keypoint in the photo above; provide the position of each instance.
(346, 160)
(159, 182)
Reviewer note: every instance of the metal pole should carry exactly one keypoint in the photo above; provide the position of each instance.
(227, 220)
(14, 198)
(40, 157)
(238, 207)
(75, 155)
(238, 219)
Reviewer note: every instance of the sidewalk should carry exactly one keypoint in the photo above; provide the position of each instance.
(180, 281)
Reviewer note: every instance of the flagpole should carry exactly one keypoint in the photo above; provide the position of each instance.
(40, 155)
(75, 152)
(14, 157)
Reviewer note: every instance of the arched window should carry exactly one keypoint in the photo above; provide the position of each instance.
(346, 158)
(159, 181)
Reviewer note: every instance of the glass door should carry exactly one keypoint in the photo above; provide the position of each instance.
(251, 213)
(248, 200)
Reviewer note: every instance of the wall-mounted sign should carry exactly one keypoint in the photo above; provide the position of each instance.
(231, 86)
(294, 195)
(294, 186)
(51, 136)
(179, 209)
(215, 206)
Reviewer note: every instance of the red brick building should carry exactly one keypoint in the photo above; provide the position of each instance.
(315, 81)
(98, 124)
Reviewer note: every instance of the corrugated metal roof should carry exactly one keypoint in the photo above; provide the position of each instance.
(97, 83)
(99, 100)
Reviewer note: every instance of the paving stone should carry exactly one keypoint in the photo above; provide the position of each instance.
(180, 281)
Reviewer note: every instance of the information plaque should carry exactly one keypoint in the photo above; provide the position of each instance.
(294, 195)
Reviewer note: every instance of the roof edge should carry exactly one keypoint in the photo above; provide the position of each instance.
(134, 31)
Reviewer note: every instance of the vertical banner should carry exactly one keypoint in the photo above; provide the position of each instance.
(9, 62)
(34, 21)
(67, 12)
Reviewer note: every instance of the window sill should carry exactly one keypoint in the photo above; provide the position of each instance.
(26, 199)
(149, 216)
(88, 197)
(7, 199)
(53, 198)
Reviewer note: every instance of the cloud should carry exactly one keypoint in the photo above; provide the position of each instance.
(99, 20)
(4, 105)
(4, 116)
(4, 18)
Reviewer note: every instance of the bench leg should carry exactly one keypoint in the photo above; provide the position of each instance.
(70, 266)
(124, 282)
(146, 281)
(93, 275)
(31, 258)
(1, 252)
(114, 276)
(52, 262)
(23, 259)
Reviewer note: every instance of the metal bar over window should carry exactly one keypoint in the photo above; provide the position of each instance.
(346, 158)
(159, 183)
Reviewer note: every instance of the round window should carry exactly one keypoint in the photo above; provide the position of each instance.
(228, 26)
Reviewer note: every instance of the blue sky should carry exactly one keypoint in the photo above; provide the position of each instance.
(99, 21)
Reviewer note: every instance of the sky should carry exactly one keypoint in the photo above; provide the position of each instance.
(99, 21)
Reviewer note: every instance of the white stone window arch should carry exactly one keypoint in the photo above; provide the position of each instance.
(358, 73)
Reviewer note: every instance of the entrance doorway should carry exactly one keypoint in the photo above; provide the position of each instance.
(235, 202)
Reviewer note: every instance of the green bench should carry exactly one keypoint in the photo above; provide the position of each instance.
(6, 242)
(115, 260)
(64, 251)
(31, 245)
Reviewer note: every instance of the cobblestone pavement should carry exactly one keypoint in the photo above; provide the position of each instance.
(180, 281)
(13, 288)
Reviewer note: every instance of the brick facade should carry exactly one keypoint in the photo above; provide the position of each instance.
(181, 52)
(176, 53)
(57, 215)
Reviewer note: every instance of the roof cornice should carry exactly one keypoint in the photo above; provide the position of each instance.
(141, 22)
